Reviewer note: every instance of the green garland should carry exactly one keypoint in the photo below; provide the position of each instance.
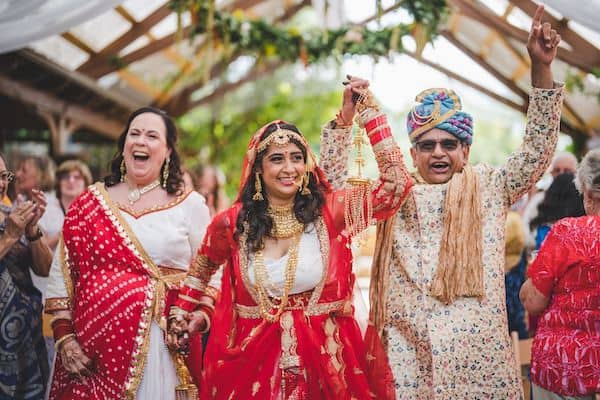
(264, 39)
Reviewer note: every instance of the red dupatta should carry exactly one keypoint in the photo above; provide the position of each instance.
(115, 289)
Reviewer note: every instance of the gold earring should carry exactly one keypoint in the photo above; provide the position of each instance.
(165, 174)
(258, 188)
(122, 170)
(305, 180)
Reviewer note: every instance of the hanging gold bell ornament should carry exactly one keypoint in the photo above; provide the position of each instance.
(186, 390)
(358, 207)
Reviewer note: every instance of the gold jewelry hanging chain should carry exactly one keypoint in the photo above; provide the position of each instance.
(262, 280)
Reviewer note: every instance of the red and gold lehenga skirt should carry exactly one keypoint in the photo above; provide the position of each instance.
(309, 353)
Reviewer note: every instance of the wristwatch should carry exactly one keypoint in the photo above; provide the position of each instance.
(36, 236)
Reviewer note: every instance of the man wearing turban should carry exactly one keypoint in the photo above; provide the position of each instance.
(437, 284)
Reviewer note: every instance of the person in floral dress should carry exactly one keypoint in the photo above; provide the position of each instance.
(437, 288)
(564, 285)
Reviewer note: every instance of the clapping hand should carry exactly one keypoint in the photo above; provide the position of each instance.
(19, 219)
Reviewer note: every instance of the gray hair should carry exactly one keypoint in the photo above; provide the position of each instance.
(563, 155)
(588, 173)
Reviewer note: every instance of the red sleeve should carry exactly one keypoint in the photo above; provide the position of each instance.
(216, 248)
(553, 258)
(356, 205)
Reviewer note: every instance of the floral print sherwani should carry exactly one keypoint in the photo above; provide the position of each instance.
(461, 350)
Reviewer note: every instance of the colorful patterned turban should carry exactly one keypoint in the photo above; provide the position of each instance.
(439, 108)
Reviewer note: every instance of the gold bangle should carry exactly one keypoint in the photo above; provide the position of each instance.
(207, 328)
(175, 311)
(60, 341)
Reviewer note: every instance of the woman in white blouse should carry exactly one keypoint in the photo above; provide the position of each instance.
(126, 244)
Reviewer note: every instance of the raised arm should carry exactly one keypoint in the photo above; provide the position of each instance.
(382, 198)
(336, 136)
(526, 165)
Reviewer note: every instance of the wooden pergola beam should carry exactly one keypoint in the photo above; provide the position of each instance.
(486, 17)
(179, 103)
(77, 42)
(102, 61)
(70, 111)
(255, 73)
(102, 65)
(462, 79)
(565, 126)
(485, 65)
(579, 44)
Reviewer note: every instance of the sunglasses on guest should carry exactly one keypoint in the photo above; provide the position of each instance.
(428, 146)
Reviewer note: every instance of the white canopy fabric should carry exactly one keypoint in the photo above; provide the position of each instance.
(25, 21)
(586, 13)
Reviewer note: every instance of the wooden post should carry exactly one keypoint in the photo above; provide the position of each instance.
(61, 129)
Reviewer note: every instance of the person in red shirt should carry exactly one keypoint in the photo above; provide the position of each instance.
(564, 286)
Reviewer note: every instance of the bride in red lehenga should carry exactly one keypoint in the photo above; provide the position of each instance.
(284, 325)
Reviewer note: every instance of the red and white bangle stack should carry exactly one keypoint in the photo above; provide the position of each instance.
(378, 129)
(62, 329)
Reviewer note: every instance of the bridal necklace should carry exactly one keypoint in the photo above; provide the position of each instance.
(136, 193)
(285, 223)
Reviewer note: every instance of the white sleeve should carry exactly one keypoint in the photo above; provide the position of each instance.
(56, 283)
(198, 221)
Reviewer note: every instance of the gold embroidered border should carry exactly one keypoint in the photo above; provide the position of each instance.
(244, 266)
(211, 292)
(323, 236)
(201, 270)
(289, 342)
(64, 266)
(57, 304)
(253, 312)
(334, 346)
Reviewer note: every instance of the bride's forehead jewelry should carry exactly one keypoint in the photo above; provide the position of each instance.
(281, 137)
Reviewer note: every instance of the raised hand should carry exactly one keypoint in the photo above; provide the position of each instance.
(542, 46)
(543, 40)
(354, 87)
(40, 202)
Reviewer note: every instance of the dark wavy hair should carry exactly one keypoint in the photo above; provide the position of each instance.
(253, 215)
(174, 181)
(562, 199)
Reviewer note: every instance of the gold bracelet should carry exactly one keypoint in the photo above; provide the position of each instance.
(207, 328)
(175, 311)
(60, 341)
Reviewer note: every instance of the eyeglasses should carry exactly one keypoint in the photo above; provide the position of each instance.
(428, 146)
(7, 176)
(68, 177)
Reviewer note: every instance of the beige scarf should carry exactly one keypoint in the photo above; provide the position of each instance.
(460, 267)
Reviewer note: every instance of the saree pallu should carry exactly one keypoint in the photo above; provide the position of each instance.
(116, 292)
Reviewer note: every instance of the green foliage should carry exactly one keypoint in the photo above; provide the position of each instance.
(262, 38)
(220, 135)
(574, 83)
